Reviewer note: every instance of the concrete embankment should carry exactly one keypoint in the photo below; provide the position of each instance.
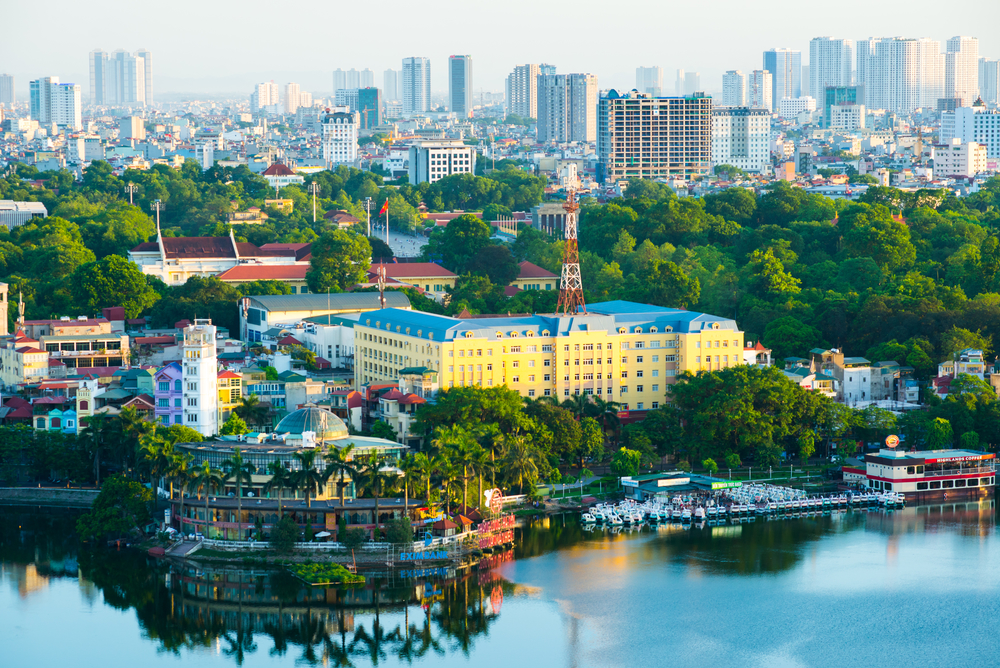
(48, 496)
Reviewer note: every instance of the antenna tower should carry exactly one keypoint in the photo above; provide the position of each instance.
(571, 284)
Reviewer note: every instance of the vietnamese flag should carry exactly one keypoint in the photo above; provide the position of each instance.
(385, 207)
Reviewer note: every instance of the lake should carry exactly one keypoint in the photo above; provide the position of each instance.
(916, 586)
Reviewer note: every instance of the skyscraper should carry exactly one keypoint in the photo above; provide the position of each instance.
(292, 98)
(369, 107)
(7, 96)
(127, 84)
(734, 89)
(147, 65)
(352, 78)
(961, 70)
(692, 82)
(900, 74)
(264, 95)
(785, 66)
(99, 76)
(741, 137)
(416, 85)
(55, 103)
(460, 85)
(649, 80)
(567, 105)
(545, 68)
(840, 96)
(366, 78)
(391, 80)
(201, 370)
(679, 83)
(830, 63)
(759, 89)
(522, 90)
(989, 80)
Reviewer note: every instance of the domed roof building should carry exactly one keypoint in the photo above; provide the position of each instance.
(323, 426)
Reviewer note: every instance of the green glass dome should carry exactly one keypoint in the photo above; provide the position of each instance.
(326, 425)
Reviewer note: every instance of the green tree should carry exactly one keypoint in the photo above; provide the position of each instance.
(240, 471)
(733, 460)
(807, 445)
(234, 426)
(768, 277)
(121, 509)
(381, 429)
(399, 531)
(626, 462)
(710, 466)
(281, 478)
(591, 441)
(339, 261)
(939, 434)
(285, 534)
(307, 477)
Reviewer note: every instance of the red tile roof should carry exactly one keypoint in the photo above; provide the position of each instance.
(511, 290)
(278, 169)
(265, 272)
(229, 374)
(529, 270)
(412, 399)
(289, 341)
(413, 270)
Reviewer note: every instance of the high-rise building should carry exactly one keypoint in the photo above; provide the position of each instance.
(785, 66)
(431, 161)
(741, 137)
(340, 137)
(637, 136)
(200, 382)
(416, 85)
(566, 107)
(391, 81)
(292, 98)
(692, 82)
(147, 66)
(759, 88)
(545, 68)
(649, 80)
(961, 69)
(679, 83)
(369, 107)
(132, 127)
(840, 96)
(346, 97)
(830, 64)
(54, 103)
(973, 124)
(99, 77)
(734, 89)
(900, 74)
(460, 85)
(366, 78)
(7, 96)
(989, 80)
(351, 78)
(522, 90)
(264, 95)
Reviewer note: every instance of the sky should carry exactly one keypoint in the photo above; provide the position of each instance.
(223, 46)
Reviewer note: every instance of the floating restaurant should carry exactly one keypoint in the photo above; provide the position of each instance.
(928, 474)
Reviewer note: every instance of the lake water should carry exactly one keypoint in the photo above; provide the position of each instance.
(917, 587)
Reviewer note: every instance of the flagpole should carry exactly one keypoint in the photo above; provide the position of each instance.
(387, 222)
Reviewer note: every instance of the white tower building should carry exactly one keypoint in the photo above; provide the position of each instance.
(201, 369)
(416, 85)
(961, 70)
(340, 137)
(522, 90)
(734, 89)
(759, 90)
(292, 98)
(460, 85)
(649, 80)
(830, 63)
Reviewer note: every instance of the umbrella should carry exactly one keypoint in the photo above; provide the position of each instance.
(323, 534)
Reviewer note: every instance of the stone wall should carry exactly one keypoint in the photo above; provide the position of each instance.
(48, 496)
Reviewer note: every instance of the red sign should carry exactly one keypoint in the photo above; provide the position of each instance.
(495, 539)
(891, 441)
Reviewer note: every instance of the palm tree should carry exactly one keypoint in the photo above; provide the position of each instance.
(577, 404)
(307, 478)
(606, 412)
(463, 456)
(481, 463)
(98, 436)
(408, 465)
(426, 465)
(252, 411)
(206, 478)
(374, 480)
(519, 460)
(240, 470)
(281, 478)
(133, 427)
(338, 463)
(180, 472)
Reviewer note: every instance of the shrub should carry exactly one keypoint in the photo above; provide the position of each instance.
(353, 539)
(399, 531)
(284, 534)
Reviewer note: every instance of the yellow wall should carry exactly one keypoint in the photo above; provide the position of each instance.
(550, 283)
(493, 362)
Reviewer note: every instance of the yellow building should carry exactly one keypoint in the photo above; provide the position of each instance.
(533, 277)
(620, 351)
(230, 387)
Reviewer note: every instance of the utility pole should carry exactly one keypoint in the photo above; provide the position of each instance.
(314, 188)
(131, 189)
(368, 210)
(157, 206)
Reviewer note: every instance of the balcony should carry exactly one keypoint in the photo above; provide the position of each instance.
(969, 470)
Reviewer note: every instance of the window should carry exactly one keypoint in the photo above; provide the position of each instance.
(163, 403)
(548, 393)
(656, 358)
(936, 484)
(624, 374)
(548, 377)
(697, 344)
(531, 379)
(547, 363)
(697, 360)
(177, 386)
(531, 393)
(489, 367)
(638, 388)
(566, 392)
(638, 374)
(565, 362)
(531, 362)
(638, 406)
(921, 486)
(656, 404)
(640, 344)
(164, 386)
(623, 389)
(515, 349)
(515, 364)
(566, 349)
(177, 403)
(516, 379)
(624, 360)
(576, 376)
(451, 353)
(588, 376)
(656, 388)
(566, 378)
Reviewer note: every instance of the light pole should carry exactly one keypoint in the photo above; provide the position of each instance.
(368, 210)
(314, 188)
(131, 189)
(157, 206)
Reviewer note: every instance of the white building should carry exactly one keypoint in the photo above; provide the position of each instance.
(790, 107)
(264, 95)
(353, 78)
(280, 175)
(205, 155)
(961, 69)
(831, 62)
(649, 80)
(785, 66)
(973, 124)
(391, 85)
(989, 81)
(293, 97)
(340, 137)
(433, 160)
(847, 117)
(201, 372)
(132, 127)
(460, 85)
(741, 138)
(7, 94)
(54, 103)
(147, 66)
(15, 214)
(759, 90)
(567, 108)
(522, 90)
(959, 159)
(900, 74)
(416, 85)
(734, 89)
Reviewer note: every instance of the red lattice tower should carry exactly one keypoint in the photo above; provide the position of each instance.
(571, 284)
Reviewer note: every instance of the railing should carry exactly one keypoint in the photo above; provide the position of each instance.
(962, 471)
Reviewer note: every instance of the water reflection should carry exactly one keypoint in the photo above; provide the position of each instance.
(239, 613)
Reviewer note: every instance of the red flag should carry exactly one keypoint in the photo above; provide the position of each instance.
(385, 207)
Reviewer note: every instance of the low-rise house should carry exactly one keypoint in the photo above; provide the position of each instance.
(968, 360)
(533, 277)
(22, 360)
(230, 388)
(168, 393)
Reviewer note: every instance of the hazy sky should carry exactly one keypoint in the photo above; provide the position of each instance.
(226, 46)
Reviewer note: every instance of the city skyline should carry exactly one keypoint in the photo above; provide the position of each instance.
(307, 57)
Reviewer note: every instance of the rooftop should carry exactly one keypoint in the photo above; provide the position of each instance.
(345, 301)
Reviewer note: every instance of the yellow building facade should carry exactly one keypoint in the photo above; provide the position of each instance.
(620, 351)
(230, 387)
